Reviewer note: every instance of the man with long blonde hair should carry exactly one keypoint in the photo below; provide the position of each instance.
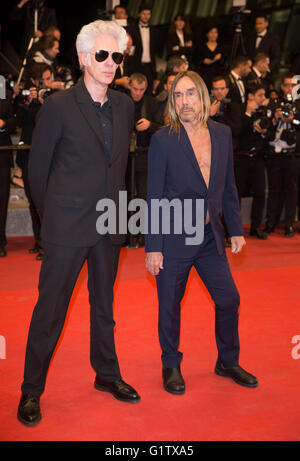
(191, 160)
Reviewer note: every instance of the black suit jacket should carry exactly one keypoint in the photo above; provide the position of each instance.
(134, 32)
(234, 92)
(69, 171)
(269, 44)
(173, 40)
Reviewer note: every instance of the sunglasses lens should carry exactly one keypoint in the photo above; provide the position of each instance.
(117, 57)
(101, 55)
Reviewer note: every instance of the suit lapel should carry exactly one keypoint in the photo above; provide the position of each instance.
(214, 153)
(85, 103)
(117, 124)
(188, 150)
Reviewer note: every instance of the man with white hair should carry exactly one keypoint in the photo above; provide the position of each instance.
(78, 157)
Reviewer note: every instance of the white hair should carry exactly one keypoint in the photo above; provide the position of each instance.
(88, 33)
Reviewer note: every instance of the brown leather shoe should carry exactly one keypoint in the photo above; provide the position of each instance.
(119, 389)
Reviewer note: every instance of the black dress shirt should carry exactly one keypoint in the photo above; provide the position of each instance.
(105, 116)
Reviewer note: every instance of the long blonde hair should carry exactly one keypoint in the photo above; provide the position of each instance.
(171, 113)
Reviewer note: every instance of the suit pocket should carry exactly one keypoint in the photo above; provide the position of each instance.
(68, 201)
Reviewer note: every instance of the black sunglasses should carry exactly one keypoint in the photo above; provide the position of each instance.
(102, 55)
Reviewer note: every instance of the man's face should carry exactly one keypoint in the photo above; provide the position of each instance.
(245, 69)
(263, 65)
(137, 90)
(169, 82)
(120, 13)
(261, 25)
(259, 97)
(187, 100)
(219, 89)
(182, 68)
(53, 52)
(102, 72)
(287, 86)
(145, 16)
(47, 79)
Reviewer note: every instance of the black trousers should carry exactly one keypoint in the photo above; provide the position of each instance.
(215, 273)
(141, 173)
(59, 272)
(35, 219)
(250, 181)
(5, 165)
(282, 189)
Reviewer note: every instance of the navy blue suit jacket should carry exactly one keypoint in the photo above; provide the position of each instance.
(173, 172)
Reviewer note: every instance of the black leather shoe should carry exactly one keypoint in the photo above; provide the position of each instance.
(34, 249)
(173, 381)
(29, 412)
(238, 374)
(119, 389)
(40, 254)
(2, 251)
(269, 229)
(289, 231)
(260, 234)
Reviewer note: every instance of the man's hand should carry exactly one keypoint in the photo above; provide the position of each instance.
(237, 243)
(154, 262)
(257, 128)
(214, 108)
(143, 124)
(123, 81)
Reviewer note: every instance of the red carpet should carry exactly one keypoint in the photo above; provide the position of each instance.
(267, 275)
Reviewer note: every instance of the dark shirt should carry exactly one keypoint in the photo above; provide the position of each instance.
(105, 116)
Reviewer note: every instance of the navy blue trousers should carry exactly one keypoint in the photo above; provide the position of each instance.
(215, 273)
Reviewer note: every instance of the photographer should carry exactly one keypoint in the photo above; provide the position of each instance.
(223, 109)
(148, 119)
(7, 127)
(249, 164)
(282, 159)
(39, 85)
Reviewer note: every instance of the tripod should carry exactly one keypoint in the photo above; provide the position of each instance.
(32, 40)
(237, 42)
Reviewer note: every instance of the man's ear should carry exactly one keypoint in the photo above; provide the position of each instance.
(84, 60)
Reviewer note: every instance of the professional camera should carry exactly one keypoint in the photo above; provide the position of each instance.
(287, 106)
(24, 97)
(224, 106)
(263, 117)
(289, 136)
(45, 92)
(64, 75)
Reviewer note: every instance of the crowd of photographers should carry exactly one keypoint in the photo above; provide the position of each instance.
(265, 121)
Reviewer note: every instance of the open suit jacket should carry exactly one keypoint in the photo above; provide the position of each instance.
(173, 172)
(69, 170)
